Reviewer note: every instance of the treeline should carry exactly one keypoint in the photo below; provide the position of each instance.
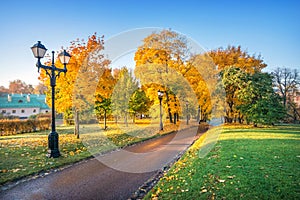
(19, 86)
(227, 83)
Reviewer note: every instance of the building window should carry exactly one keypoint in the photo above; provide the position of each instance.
(34, 110)
(13, 111)
(3, 111)
(22, 111)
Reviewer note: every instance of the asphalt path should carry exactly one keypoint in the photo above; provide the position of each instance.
(115, 175)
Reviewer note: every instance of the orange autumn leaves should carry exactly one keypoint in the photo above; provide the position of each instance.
(163, 61)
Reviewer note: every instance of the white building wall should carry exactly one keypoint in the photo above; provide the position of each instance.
(21, 112)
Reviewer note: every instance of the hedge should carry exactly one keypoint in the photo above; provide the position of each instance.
(17, 126)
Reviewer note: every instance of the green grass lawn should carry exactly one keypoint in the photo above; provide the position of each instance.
(25, 154)
(245, 163)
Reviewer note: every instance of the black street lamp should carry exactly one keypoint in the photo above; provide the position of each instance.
(53, 72)
(160, 96)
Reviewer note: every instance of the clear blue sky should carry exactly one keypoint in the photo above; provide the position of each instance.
(269, 28)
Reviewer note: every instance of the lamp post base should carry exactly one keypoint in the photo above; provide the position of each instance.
(53, 151)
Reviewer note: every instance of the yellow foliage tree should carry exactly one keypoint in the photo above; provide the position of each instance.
(161, 52)
(236, 57)
(165, 58)
(84, 70)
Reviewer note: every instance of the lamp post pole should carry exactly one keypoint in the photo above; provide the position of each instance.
(53, 72)
(160, 96)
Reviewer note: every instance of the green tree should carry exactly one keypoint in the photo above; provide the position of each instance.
(123, 90)
(103, 108)
(233, 79)
(139, 103)
(259, 103)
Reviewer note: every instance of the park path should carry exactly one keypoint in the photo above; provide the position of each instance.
(115, 175)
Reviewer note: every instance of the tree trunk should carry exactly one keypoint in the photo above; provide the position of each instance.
(175, 118)
(76, 123)
(105, 127)
(133, 119)
(170, 115)
(169, 109)
(125, 119)
(198, 114)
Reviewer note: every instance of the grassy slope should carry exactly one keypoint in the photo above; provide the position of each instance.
(245, 163)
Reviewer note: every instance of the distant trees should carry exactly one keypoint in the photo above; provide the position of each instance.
(18, 86)
(287, 82)
(40, 89)
(3, 90)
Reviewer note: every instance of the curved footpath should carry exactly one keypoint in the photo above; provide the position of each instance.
(115, 175)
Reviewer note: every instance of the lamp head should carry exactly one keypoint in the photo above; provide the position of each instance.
(64, 57)
(38, 50)
(160, 94)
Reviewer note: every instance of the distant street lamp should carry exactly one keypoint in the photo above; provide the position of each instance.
(53, 72)
(160, 96)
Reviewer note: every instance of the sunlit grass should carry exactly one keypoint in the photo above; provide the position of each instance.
(244, 163)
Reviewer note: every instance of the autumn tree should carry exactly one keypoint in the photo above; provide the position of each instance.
(161, 51)
(231, 63)
(19, 86)
(201, 75)
(75, 89)
(3, 90)
(40, 89)
(167, 60)
(103, 94)
(235, 56)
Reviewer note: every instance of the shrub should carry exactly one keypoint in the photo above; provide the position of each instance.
(17, 126)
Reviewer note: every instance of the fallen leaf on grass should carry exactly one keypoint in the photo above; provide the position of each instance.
(203, 191)
(15, 170)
